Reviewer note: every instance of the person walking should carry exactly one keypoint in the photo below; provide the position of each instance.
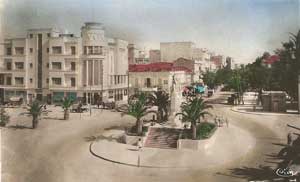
(139, 145)
(289, 138)
(216, 121)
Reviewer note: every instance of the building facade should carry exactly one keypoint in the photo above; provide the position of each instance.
(154, 56)
(151, 77)
(171, 51)
(136, 55)
(48, 65)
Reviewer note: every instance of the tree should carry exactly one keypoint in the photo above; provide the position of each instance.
(286, 70)
(4, 117)
(209, 78)
(192, 111)
(35, 110)
(137, 107)
(160, 99)
(66, 104)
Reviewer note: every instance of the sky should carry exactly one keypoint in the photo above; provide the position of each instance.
(242, 29)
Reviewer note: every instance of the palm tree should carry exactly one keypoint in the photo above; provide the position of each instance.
(137, 107)
(192, 111)
(160, 99)
(35, 110)
(66, 104)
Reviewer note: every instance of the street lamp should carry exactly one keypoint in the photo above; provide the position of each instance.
(90, 102)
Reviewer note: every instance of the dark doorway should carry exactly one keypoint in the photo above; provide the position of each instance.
(1, 95)
(39, 97)
(49, 99)
(148, 82)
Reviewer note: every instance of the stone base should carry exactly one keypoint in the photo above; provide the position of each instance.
(197, 144)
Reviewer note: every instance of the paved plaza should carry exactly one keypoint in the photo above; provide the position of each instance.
(58, 150)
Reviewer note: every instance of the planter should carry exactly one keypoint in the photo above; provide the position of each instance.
(198, 144)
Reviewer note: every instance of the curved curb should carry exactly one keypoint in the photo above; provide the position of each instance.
(264, 114)
(126, 164)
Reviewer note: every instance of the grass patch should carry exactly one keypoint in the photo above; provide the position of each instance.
(204, 130)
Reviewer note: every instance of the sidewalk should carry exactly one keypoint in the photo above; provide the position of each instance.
(248, 109)
(228, 142)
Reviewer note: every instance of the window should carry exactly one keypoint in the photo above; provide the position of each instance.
(125, 91)
(8, 65)
(56, 50)
(73, 82)
(73, 50)
(148, 82)
(30, 80)
(90, 50)
(73, 66)
(8, 51)
(8, 80)
(97, 50)
(165, 82)
(159, 81)
(47, 80)
(56, 65)
(1, 79)
(19, 50)
(30, 65)
(136, 82)
(48, 34)
(47, 65)
(19, 65)
(111, 94)
(30, 50)
(56, 81)
(48, 50)
(31, 35)
(19, 80)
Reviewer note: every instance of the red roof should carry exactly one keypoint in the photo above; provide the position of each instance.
(272, 59)
(156, 67)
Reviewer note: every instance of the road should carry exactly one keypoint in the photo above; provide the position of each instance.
(57, 151)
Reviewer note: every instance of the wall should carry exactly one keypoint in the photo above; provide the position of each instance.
(171, 51)
(197, 144)
(154, 56)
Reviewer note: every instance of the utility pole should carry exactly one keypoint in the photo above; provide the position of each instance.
(90, 100)
(128, 86)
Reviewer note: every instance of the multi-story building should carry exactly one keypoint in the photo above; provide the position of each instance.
(218, 60)
(229, 63)
(49, 65)
(150, 77)
(136, 55)
(171, 51)
(154, 56)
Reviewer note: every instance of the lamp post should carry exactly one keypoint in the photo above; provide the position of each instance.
(90, 100)
(128, 86)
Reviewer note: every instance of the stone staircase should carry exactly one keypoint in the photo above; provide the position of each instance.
(165, 138)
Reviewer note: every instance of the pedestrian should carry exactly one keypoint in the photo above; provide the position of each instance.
(216, 121)
(289, 138)
(219, 122)
(139, 144)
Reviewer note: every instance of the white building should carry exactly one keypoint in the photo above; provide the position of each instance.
(155, 76)
(170, 51)
(48, 65)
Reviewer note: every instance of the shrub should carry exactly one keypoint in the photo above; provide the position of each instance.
(4, 117)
